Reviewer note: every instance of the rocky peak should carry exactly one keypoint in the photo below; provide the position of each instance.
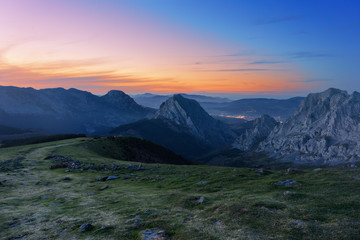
(188, 114)
(325, 128)
(259, 130)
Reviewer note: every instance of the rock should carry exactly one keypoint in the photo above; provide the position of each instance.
(104, 187)
(126, 177)
(37, 183)
(286, 183)
(112, 178)
(90, 193)
(86, 227)
(317, 169)
(102, 178)
(202, 183)
(153, 234)
(201, 200)
(260, 128)
(287, 193)
(67, 179)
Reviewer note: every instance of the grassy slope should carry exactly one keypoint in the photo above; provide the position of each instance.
(326, 204)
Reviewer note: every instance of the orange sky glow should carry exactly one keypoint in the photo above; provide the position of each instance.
(57, 44)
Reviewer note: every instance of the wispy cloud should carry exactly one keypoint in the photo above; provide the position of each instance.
(268, 62)
(318, 80)
(243, 70)
(308, 55)
(278, 20)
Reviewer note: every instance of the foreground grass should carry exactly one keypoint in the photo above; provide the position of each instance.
(241, 203)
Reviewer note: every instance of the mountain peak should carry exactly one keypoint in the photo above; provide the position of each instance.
(188, 114)
(325, 128)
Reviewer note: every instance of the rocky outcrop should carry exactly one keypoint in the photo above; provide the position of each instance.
(192, 118)
(325, 129)
(259, 129)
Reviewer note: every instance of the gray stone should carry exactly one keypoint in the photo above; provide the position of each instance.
(153, 234)
(201, 200)
(111, 178)
(104, 187)
(86, 227)
(286, 183)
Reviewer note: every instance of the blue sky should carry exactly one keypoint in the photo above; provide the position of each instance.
(223, 47)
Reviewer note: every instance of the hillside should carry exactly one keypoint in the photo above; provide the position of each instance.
(135, 150)
(59, 190)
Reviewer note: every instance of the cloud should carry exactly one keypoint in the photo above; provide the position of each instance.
(268, 62)
(317, 80)
(278, 20)
(308, 55)
(243, 70)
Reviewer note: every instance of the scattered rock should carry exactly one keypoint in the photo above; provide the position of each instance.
(102, 178)
(104, 187)
(201, 199)
(286, 183)
(86, 227)
(90, 193)
(37, 183)
(317, 169)
(202, 183)
(153, 234)
(67, 179)
(287, 193)
(111, 178)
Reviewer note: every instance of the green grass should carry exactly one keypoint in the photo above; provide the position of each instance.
(239, 203)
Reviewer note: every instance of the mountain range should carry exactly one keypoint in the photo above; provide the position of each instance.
(325, 128)
(183, 126)
(249, 109)
(67, 111)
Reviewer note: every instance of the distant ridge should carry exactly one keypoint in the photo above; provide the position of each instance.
(58, 110)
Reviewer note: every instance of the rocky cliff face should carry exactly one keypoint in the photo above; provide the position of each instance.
(59, 110)
(258, 130)
(192, 118)
(325, 129)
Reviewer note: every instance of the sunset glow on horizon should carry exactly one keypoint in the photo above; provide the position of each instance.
(132, 46)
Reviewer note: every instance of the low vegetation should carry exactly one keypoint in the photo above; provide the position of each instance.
(75, 201)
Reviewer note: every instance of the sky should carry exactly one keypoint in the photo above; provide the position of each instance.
(212, 47)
